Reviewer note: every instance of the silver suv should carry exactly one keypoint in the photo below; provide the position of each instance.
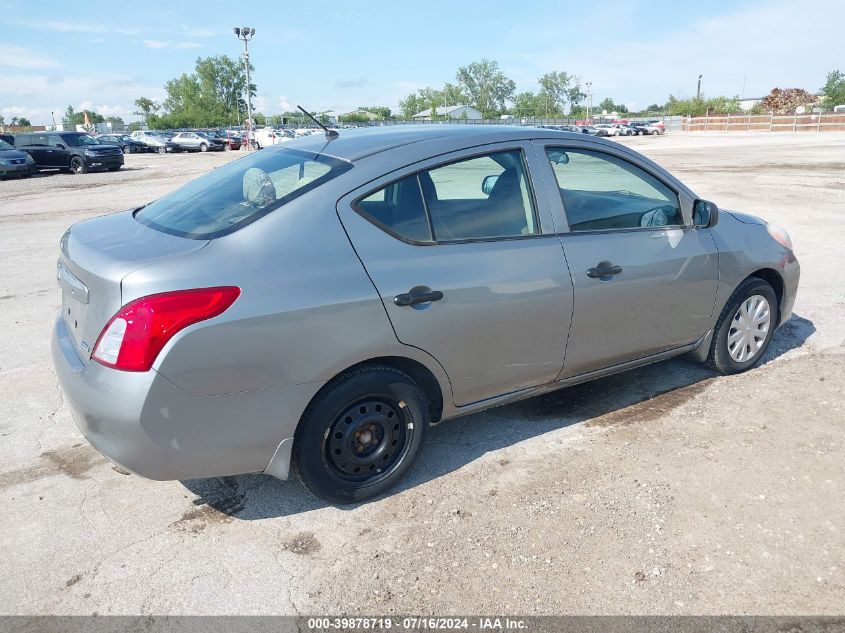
(325, 301)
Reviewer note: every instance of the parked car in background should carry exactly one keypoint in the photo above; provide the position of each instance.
(230, 141)
(14, 162)
(76, 152)
(126, 143)
(9, 138)
(610, 130)
(154, 141)
(197, 142)
(592, 130)
(267, 136)
(624, 129)
(645, 127)
(325, 302)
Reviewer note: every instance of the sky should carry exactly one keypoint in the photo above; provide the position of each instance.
(340, 55)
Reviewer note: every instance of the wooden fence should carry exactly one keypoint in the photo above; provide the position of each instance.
(765, 123)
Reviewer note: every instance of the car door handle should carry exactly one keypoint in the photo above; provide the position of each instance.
(604, 270)
(416, 295)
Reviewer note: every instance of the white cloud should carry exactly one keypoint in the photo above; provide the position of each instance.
(170, 44)
(35, 96)
(20, 57)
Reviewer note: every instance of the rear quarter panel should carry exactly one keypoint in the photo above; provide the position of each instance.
(307, 309)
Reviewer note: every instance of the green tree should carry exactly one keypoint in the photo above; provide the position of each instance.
(607, 105)
(212, 95)
(355, 118)
(146, 108)
(412, 104)
(486, 87)
(654, 108)
(527, 104)
(834, 89)
(2, 120)
(72, 117)
(556, 91)
(21, 121)
(382, 112)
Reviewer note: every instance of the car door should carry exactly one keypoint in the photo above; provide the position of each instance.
(35, 145)
(58, 154)
(468, 267)
(644, 278)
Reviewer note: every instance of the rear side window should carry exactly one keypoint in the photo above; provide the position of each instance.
(237, 194)
(399, 209)
(483, 197)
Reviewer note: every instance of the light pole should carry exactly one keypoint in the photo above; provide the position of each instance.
(245, 33)
(698, 90)
(589, 100)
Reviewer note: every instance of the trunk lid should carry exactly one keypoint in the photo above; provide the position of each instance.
(95, 257)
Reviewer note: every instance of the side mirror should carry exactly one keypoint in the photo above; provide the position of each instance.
(61, 146)
(704, 213)
(488, 183)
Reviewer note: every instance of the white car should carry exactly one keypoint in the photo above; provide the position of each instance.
(610, 130)
(154, 141)
(267, 136)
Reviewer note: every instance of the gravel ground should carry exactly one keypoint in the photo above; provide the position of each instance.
(665, 490)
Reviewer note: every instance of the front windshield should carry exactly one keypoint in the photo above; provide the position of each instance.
(232, 196)
(77, 140)
(4, 145)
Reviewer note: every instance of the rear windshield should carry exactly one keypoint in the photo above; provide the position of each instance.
(232, 196)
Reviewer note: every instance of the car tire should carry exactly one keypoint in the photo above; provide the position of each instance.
(78, 166)
(203, 147)
(127, 149)
(162, 150)
(655, 132)
(361, 434)
(732, 352)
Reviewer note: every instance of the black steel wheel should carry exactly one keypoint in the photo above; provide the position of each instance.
(361, 434)
(367, 439)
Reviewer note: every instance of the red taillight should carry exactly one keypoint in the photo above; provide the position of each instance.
(135, 335)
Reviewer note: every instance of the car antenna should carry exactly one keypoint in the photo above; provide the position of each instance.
(330, 134)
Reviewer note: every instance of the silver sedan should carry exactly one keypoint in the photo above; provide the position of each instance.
(325, 301)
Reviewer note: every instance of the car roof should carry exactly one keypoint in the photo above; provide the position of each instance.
(359, 143)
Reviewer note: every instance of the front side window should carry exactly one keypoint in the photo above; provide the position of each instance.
(239, 193)
(75, 140)
(601, 192)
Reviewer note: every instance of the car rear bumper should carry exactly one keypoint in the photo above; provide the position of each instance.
(152, 427)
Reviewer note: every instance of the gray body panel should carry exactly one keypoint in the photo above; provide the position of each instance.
(518, 318)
